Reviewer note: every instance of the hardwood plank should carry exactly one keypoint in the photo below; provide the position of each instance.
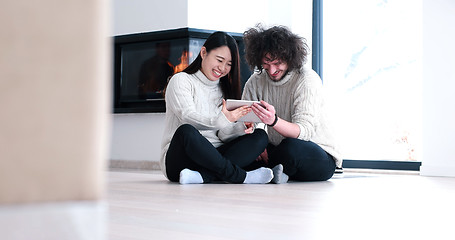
(144, 205)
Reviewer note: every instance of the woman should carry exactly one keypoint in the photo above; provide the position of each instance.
(202, 141)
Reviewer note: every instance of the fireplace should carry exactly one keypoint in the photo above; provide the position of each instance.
(144, 62)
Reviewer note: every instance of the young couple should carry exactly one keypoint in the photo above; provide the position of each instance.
(203, 142)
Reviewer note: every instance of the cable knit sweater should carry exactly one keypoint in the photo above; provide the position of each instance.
(196, 100)
(297, 98)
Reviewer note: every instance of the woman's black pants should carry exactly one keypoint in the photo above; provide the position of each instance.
(189, 149)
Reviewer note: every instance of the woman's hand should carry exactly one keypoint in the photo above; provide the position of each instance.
(235, 114)
(266, 112)
(249, 127)
(264, 156)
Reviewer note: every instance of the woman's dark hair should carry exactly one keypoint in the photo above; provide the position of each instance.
(279, 42)
(230, 84)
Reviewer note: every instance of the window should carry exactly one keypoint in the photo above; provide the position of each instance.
(372, 53)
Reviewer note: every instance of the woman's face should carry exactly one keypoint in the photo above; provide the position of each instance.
(216, 63)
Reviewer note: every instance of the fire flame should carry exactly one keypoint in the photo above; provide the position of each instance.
(184, 61)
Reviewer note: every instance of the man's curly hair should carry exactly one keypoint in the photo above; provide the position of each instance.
(279, 42)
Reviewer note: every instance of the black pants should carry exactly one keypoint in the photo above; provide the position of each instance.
(189, 149)
(302, 160)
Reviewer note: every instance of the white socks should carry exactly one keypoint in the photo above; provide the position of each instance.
(188, 176)
(278, 175)
(260, 175)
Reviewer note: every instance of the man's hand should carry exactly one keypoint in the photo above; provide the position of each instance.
(264, 111)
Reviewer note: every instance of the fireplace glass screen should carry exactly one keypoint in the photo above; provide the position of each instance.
(145, 62)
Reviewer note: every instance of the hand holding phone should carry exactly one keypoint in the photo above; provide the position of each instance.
(232, 104)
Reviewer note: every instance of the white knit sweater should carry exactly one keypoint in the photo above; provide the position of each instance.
(196, 100)
(297, 98)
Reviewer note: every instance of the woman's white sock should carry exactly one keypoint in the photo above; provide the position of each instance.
(188, 176)
(260, 175)
(278, 175)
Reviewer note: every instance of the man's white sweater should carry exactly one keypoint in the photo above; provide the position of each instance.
(297, 98)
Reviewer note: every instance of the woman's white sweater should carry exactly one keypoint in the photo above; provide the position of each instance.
(297, 98)
(194, 99)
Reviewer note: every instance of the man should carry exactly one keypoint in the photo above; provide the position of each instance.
(301, 147)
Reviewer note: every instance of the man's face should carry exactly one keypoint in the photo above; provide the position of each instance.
(275, 68)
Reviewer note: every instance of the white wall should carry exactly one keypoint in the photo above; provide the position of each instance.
(137, 137)
(438, 86)
(135, 16)
(296, 14)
